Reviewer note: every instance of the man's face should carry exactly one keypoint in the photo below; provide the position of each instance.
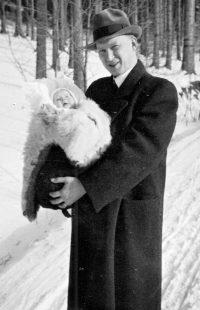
(63, 99)
(117, 54)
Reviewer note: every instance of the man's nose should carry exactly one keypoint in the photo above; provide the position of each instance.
(109, 55)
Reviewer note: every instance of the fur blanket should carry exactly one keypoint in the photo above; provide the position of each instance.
(81, 133)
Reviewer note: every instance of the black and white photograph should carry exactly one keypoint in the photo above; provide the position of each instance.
(100, 154)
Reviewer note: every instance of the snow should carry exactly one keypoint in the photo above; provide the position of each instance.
(34, 257)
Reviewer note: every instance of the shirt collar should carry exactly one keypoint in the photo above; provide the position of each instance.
(120, 79)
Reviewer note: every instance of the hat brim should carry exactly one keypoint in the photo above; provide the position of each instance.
(130, 30)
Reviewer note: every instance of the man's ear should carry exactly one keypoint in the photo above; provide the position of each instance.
(134, 42)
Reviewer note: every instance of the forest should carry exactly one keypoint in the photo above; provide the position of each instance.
(170, 29)
(46, 38)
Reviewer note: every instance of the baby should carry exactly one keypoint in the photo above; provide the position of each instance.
(64, 98)
(65, 136)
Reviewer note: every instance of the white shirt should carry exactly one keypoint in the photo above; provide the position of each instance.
(120, 78)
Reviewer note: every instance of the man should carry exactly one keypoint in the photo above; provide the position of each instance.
(117, 226)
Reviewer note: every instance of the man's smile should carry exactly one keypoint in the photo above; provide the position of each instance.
(112, 65)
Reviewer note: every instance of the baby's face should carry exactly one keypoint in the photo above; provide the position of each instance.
(63, 99)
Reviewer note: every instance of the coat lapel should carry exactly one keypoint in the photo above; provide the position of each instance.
(122, 95)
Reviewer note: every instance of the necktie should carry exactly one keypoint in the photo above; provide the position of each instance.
(115, 85)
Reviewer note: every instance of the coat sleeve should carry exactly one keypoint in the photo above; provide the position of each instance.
(137, 150)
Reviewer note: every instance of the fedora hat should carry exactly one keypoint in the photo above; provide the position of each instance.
(111, 23)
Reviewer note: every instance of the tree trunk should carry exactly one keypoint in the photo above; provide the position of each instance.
(41, 39)
(122, 5)
(87, 37)
(18, 23)
(62, 25)
(107, 4)
(156, 44)
(78, 45)
(162, 25)
(66, 9)
(145, 26)
(71, 43)
(55, 54)
(169, 33)
(98, 6)
(198, 29)
(3, 17)
(189, 29)
(164, 39)
(114, 4)
(27, 16)
(178, 30)
(133, 12)
(32, 19)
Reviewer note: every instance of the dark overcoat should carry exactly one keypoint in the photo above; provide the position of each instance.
(115, 259)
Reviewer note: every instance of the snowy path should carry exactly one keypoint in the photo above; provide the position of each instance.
(181, 237)
(34, 258)
(37, 280)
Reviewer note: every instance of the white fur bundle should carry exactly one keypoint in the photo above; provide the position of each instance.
(83, 133)
(36, 94)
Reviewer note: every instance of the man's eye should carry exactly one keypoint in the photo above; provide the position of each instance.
(115, 47)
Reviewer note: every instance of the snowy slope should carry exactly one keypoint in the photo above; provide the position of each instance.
(34, 257)
(181, 232)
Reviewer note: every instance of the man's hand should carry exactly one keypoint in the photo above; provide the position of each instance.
(71, 192)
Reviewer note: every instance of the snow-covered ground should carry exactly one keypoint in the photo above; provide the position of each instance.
(34, 257)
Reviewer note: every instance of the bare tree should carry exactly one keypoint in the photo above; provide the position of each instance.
(66, 19)
(164, 33)
(189, 29)
(78, 44)
(32, 19)
(98, 6)
(178, 30)
(144, 47)
(162, 25)
(122, 5)
(169, 33)
(87, 36)
(71, 43)
(18, 23)
(55, 54)
(27, 16)
(68, 27)
(198, 26)
(108, 3)
(133, 12)
(3, 16)
(114, 4)
(41, 38)
(156, 42)
(62, 24)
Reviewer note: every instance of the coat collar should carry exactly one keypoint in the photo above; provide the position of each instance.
(133, 77)
(121, 96)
